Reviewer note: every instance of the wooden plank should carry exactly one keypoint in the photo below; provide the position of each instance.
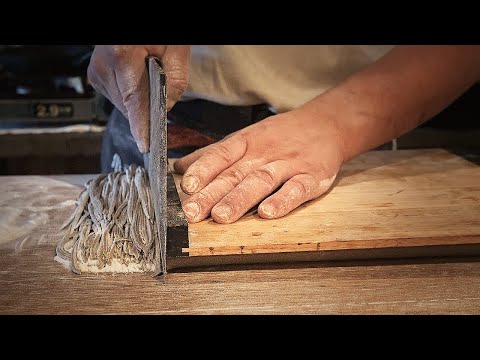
(33, 283)
(383, 199)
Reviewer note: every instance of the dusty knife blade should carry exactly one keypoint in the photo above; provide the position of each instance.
(155, 161)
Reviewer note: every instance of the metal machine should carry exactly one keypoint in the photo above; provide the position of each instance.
(47, 84)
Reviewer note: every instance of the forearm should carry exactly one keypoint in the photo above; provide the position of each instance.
(406, 87)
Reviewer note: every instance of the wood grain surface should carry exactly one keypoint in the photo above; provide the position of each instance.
(382, 199)
(31, 282)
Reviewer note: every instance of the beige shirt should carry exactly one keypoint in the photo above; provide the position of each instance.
(283, 76)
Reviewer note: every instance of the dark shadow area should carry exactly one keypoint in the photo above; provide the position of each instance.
(330, 264)
(462, 114)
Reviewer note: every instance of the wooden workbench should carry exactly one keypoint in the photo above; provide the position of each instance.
(32, 282)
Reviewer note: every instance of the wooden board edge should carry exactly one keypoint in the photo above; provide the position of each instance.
(467, 155)
(180, 264)
(333, 245)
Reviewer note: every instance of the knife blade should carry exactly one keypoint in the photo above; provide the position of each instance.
(155, 161)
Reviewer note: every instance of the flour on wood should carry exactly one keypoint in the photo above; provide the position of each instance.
(112, 228)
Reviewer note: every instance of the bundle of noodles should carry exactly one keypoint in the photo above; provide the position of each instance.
(113, 226)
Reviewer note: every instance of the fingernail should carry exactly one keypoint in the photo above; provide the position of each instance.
(191, 209)
(269, 210)
(224, 212)
(190, 183)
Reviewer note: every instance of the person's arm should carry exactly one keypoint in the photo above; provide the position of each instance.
(301, 151)
(119, 72)
(404, 88)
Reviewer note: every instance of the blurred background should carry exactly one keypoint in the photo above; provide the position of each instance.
(52, 122)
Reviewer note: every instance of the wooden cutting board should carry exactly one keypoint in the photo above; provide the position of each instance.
(384, 204)
(406, 203)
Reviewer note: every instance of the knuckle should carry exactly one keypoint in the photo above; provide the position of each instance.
(284, 200)
(207, 198)
(293, 154)
(128, 95)
(302, 188)
(265, 175)
(226, 181)
(222, 152)
(178, 81)
(119, 52)
(232, 176)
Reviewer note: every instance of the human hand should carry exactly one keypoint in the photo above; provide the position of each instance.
(119, 72)
(295, 151)
(304, 149)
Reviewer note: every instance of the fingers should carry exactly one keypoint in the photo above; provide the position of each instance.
(132, 82)
(256, 186)
(294, 192)
(176, 61)
(119, 72)
(182, 164)
(102, 78)
(199, 205)
(211, 163)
